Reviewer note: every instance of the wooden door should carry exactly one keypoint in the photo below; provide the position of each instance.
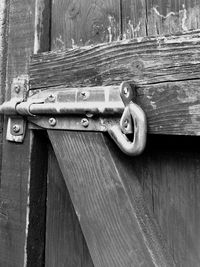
(73, 198)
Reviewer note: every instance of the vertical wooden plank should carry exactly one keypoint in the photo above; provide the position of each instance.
(169, 17)
(65, 244)
(17, 200)
(42, 41)
(169, 173)
(37, 201)
(84, 22)
(108, 203)
(158, 17)
(16, 158)
(134, 18)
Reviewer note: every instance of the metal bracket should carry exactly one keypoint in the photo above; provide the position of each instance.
(103, 108)
(16, 125)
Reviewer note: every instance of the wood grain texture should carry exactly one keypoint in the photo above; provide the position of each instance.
(134, 18)
(42, 40)
(146, 61)
(169, 17)
(18, 202)
(115, 223)
(168, 172)
(65, 244)
(16, 158)
(165, 73)
(158, 17)
(84, 22)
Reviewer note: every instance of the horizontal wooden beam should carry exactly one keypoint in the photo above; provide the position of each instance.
(164, 70)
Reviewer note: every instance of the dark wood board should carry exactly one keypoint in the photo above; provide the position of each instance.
(84, 22)
(16, 195)
(114, 220)
(65, 244)
(168, 172)
(37, 201)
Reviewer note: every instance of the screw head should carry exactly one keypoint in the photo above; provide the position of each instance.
(16, 128)
(85, 95)
(17, 88)
(126, 124)
(125, 91)
(52, 122)
(85, 122)
(51, 98)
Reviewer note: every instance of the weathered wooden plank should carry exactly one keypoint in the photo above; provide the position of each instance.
(42, 35)
(84, 22)
(145, 61)
(168, 172)
(116, 225)
(134, 18)
(16, 196)
(15, 162)
(169, 17)
(65, 244)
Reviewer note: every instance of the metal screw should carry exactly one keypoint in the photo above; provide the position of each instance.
(17, 89)
(126, 91)
(16, 128)
(126, 124)
(85, 95)
(51, 98)
(52, 121)
(85, 122)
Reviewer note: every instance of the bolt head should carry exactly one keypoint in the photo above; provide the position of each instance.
(125, 91)
(16, 128)
(85, 95)
(17, 89)
(51, 98)
(126, 124)
(85, 122)
(52, 122)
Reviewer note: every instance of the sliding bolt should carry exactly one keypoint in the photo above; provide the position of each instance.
(52, 122)
(16, 128)
(85, 122)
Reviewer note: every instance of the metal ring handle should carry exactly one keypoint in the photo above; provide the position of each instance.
(138, 144)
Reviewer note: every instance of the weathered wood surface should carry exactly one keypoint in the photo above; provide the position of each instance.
(65, 244)
(165, 72)
(42, 35)
(144, 61)
(84, 22)
(16, 196)
(108, 202)
(169, 172)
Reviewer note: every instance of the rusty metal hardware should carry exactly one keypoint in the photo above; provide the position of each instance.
(133, 116)
(106, 109)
